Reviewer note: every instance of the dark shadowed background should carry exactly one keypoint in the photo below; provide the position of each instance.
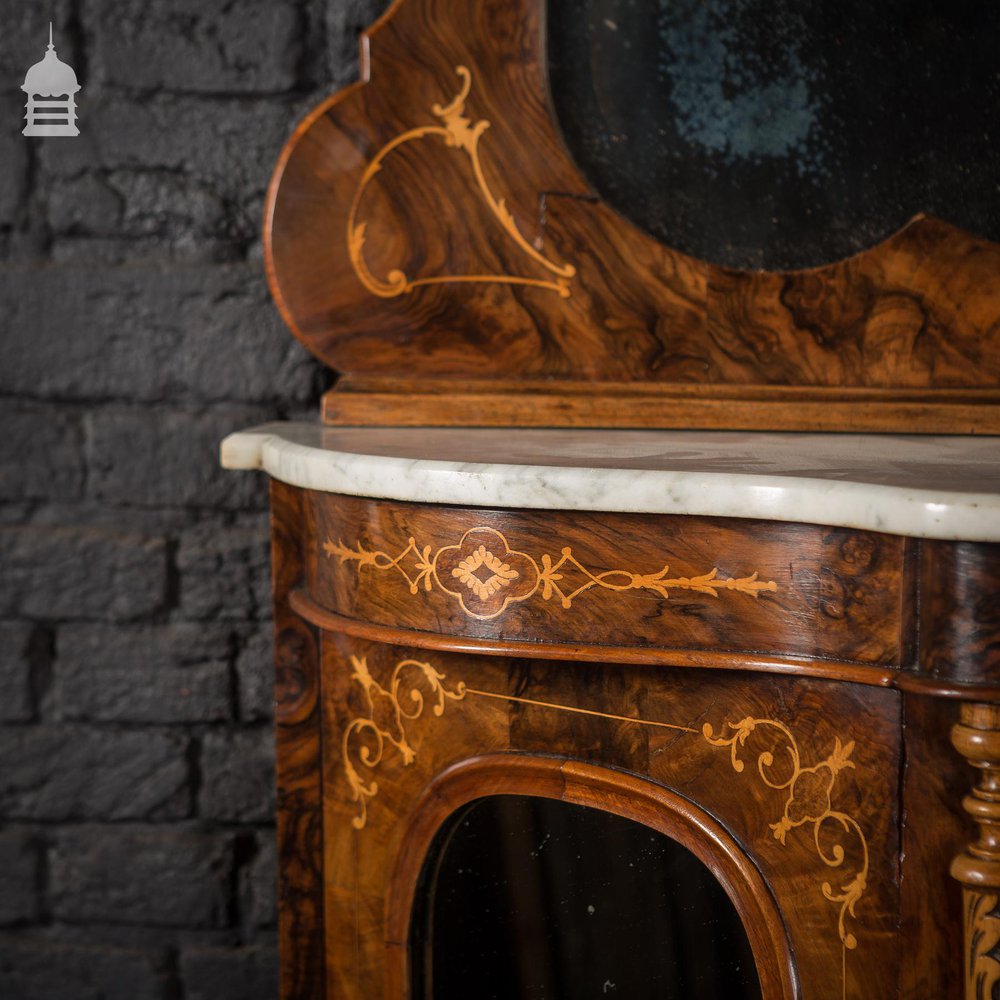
(136, 790)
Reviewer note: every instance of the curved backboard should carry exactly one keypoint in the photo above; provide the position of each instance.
(430, 237)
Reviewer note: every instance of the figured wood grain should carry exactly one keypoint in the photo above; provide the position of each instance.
(918, 312)
(298, 764)
(909, 680)
(933, 830)
(960, 611)
(797, 590)
(577, 652)
(598, 720)
(915, 616)
(902, 337)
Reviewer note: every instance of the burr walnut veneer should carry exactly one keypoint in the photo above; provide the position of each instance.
(779, 650)
(775, 690)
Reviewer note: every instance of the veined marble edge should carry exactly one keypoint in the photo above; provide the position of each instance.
(865, 506)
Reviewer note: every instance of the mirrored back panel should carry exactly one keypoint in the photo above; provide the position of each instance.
(781, 134)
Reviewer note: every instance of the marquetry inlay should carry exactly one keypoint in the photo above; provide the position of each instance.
(381, 700)
(485, 575)
(808, 790)
(459, 133)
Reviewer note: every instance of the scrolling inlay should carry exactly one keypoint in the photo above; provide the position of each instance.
(385, 722)
(809, 802)
(459, 133)
(485, 575)
(809, 790)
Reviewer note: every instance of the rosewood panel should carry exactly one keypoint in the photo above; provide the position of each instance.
(801, 775)
(611, 579)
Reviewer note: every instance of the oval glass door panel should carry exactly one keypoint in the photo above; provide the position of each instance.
(526, 897)
(781, 134)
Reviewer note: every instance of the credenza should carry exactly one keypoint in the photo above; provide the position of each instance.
(637, 596)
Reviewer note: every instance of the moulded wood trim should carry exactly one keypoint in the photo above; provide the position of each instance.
(668, 411)
(369, 400)
(615, 792)
(836, 670)
(431, 386)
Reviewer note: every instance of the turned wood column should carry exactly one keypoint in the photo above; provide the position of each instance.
(977, 738)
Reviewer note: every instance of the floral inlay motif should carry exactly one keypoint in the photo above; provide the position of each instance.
(385, 722)
(808, 803)
(808, 790)
(623, 579)
(500, 574)
(458, 133)
(489, 574)
(485, 575)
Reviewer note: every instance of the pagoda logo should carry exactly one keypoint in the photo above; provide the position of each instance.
(51, 88)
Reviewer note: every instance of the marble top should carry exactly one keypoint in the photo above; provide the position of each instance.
(917, 485)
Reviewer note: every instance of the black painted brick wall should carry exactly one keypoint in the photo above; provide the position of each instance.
(136, 794)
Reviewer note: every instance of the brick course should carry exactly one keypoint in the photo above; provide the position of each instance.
(157, 876)
(32, 968)
(137, 857)
(178, 673)
(17, 640)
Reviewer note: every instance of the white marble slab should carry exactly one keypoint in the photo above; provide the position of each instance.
(922, 486)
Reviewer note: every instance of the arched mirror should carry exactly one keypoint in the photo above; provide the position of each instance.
(525, 897)
(781, 134)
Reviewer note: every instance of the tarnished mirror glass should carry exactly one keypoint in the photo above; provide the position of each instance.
(537, 899)
(782, 133)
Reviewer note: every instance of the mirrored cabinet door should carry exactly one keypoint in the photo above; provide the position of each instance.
(525, 897)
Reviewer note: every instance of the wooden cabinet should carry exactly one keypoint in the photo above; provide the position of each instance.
(775, 695)
(781, 651)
